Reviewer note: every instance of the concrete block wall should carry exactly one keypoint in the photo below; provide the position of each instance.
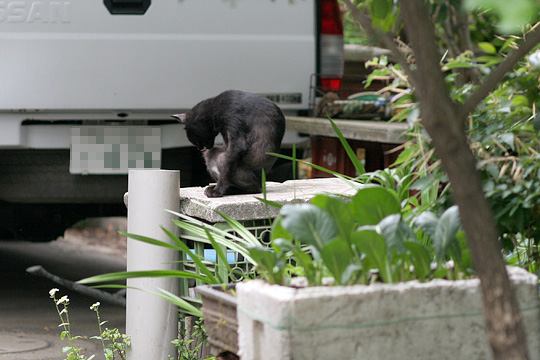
(436, 320)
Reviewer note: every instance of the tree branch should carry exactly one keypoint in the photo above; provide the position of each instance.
(105, 296)
(531, 39)
(444, 121)
(430, 81)
(386, 40)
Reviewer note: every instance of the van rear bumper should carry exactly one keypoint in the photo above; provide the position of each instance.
(42, 176)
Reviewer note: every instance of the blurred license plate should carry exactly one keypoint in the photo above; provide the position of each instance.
(114, 149)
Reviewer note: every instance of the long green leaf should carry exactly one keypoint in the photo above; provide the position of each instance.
(182, 304)
(240, 229)
(149, 240)
(294, 161)
(315, 166)
(350, 152)
(221, 256)
(214, 229)
(271, 203)
(194, 229)
(194, 257)
(122, 275)
(113, 286)
(222, 237)
(263, 183)
(201, 237)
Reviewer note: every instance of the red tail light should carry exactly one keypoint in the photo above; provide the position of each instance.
(331, 46)
(329, 84)
(331, 18)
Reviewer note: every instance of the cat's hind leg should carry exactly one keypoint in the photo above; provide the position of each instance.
(246, 180)
(243, 181)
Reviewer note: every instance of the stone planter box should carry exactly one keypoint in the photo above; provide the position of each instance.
(220, 319)
(436, 320)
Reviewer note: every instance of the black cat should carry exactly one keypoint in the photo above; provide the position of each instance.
(250, 125)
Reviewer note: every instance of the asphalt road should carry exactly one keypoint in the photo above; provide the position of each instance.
(28, 319)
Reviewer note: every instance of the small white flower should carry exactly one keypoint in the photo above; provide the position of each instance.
(449, 264)
(53, 292)
(63, 300)
(534, 59)
(95, 306)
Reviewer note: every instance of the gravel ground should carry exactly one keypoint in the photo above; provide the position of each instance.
(98, 234)
(28, 319)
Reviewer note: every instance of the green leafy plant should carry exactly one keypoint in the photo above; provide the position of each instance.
(190, 346)
(367, 237)
(505, 138)
(204, 272)
(113, 342)
(503, 133)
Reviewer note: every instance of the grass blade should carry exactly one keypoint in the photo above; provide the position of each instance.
(214, 229)
(350, 152)
(294, 161)
(222, 256)
(271, 203)
(240, 229)
(113, 286)
(148, 240)
(200, 236)
(294, 165)
(123, 275)
(222, 237)
(182, 304)
(263, 183)
(200, 266)
(315, 166)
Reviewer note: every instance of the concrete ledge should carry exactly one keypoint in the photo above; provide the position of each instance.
(194, 203)
(362, 53)
(375, 131)
(436, 320)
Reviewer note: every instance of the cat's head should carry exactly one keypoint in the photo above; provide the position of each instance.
(196, 130)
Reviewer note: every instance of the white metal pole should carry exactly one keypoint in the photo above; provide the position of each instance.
(151, 322)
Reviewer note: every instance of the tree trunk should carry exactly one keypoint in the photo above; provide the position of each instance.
(444, 120)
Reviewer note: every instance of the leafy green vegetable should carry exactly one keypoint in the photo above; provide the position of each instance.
(337, 256)
(372, 204)
(446, 230)
(374, 247)
(420, 258)
(395, 232)
(309, 224)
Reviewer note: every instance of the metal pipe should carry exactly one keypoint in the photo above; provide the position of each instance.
(151, 322)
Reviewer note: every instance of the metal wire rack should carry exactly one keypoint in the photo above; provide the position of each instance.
(240, 268)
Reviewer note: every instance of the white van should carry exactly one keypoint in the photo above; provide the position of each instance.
(91, 78)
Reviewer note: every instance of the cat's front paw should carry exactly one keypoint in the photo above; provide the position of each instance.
(212, 191)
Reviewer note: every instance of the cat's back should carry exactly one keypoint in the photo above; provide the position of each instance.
(238, 100)
(254, 112)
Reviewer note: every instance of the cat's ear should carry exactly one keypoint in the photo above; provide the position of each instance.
(180, 117)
